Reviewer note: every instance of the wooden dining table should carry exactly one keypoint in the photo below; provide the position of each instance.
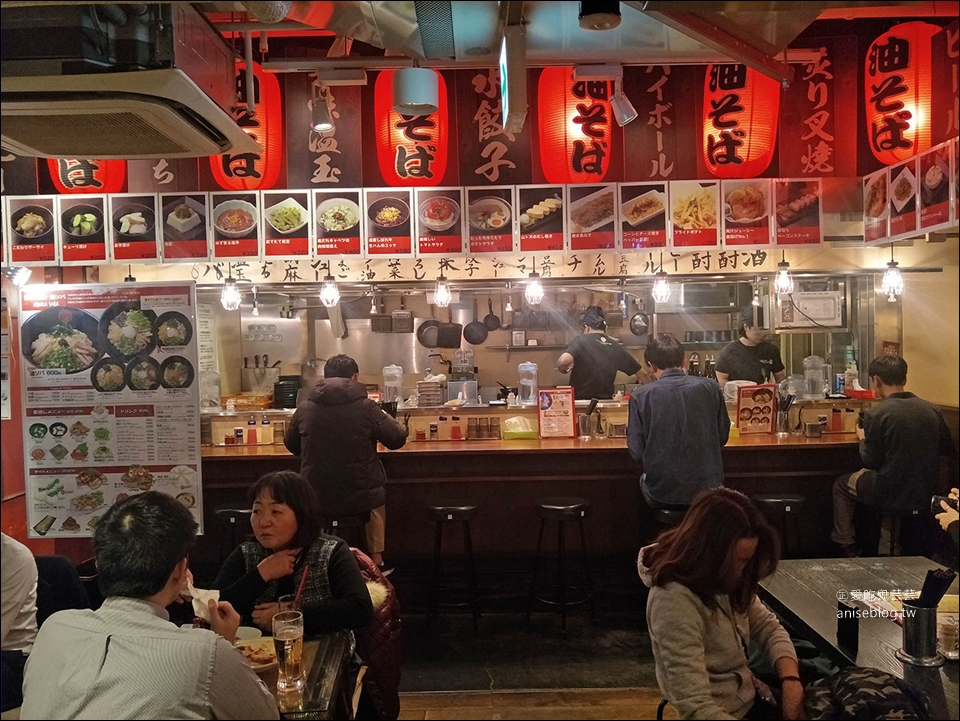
(327, 689)
(805, 594)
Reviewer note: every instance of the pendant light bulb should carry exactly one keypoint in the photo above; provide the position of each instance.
(373, 304)
(534, 290)
(893, 282)
(230, 294)
(783, 285)
(322, 120)
(441, 294)
(329, 292)
(661, 288)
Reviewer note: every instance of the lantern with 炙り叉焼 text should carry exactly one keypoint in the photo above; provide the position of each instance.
(575, 125)
(897, 89)
(254, 171)
(411, 149)
(71, 175)
(741, 108)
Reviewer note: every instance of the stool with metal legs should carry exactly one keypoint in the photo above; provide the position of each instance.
(786, 507)
(452, 511)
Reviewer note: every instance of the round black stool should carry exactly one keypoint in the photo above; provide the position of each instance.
(903, 525)
(237, 521)
(349, 528)
(562, 510)
(453, 511)
(786, 507)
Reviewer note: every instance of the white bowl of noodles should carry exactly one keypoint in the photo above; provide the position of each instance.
(61, 337)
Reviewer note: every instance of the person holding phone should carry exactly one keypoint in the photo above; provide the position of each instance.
(948, 516)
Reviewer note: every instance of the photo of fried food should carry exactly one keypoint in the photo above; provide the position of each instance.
(875, 204)
(696, 211)
(746, 203)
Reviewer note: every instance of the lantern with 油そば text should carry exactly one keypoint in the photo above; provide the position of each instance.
(575, 124)
(254, 171)
(897, 89)
(71, 175)
(741, 108)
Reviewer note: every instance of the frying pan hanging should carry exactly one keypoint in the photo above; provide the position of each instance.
(476, 332)
(639, 324)
(448, 334)
(427, 332)
(491, 320)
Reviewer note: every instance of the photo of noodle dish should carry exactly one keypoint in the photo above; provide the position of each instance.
(143, 374)
(172, 329)
(126, 330)
(61, 337)
(107, 376)
(176, 372)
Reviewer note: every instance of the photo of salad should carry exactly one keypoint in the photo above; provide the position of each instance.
(60, 337)
(102, 453)
(107, 376)
(101, 434)
(38, 430)
(335, 215)
(172, 329)
(50, 492)
(143, 374)
(126, 330)
(80, 453)
(176, 372)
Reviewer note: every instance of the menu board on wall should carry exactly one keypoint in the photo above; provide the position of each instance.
(693, 213)
(286, 224)
(439, 221)
(110, 400)
(490, 219)
(132, 231)
(876, 210)
(82, 229)
(541, 217)
(32, 230)
(339, 222)
(389, 222)
(798, 211)
(556, 412)
(643, 214)
(903, 198)
(183, 218)
(746, 212)
(933, 176)
(592, 216)
(236, 226)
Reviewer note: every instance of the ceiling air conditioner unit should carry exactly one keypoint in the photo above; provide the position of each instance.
(82, 104)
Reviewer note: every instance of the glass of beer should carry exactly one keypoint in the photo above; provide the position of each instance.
(288, 643)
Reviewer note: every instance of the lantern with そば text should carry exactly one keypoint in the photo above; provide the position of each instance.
(897, 85)
(411, 149)
(741, 108)
(71, 175)
(254, 171)
(575, 125)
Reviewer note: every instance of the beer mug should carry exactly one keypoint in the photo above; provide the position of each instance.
(288, 644)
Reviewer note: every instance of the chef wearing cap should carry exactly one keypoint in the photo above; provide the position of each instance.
(594, 359)
(751, 357)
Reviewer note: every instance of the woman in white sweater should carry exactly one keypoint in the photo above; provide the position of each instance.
(703, 612)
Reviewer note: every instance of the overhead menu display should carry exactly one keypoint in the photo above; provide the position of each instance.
(111, 400)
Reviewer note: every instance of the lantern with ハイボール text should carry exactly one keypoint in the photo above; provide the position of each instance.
(72, 175)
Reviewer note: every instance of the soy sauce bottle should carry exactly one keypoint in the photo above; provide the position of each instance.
(693, 365)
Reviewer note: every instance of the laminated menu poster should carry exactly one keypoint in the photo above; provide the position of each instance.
(32, 230)
(110, 400)
(82, 229)
(439, 221)
(556, 412)
(746, 212)
(934, 181)
(132, 233)
(183, 220)
(236, 226)
(693, 212)
(798, 218)
(541, 218)
(592, 216)
(643, 213)
(340, 224)
(903, 198)
(490, 219)
(389, 225)
(755, 408)
(876, 210)
(286, 224)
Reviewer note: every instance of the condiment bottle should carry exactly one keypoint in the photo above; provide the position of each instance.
(836, 421)
(693, 365)
(266, 430)
(252, 431)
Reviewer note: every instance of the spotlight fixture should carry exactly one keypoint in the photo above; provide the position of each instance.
(373, 302)
(18, 276)
(329, 292)
(620, 104)
(256, 302)
(783, 285)
(892, 279)
(415, 91)
(441, 294)
(661, 285)
(599, 15)
(534, 290)
(322, 119)
(230, 294)
(129, 278)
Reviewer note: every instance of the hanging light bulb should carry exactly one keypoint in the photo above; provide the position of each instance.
(661, 285)
(373, 303)
(230, 294)
(783, 285)
(534, 290)
(892, 280)
(441, 294)
(509, 307)
(329, 292)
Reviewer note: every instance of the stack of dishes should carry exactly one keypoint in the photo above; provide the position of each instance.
(285, 392)
(430, 393)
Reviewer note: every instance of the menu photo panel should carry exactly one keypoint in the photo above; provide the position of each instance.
(339, 222)
(798, 211)
(933, 176)
(644, 220)
(592, 217)
(33, 230)
(490, 219)
(286, 224)
(387, 212)
(694, 213)
(184, 219)
(541, 217)
(133, 235)
(746, 212)
(236, 225)
(903, 198)
(876, 209)
(82, 229)
(439, 221)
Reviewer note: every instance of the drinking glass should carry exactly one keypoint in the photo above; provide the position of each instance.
(288, 643)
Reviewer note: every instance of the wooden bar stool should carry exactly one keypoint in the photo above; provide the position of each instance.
(453, 511)
(786, 508)
(350, 528)
(237, 523)
(563, 510)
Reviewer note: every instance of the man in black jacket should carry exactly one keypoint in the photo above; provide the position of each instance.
(335, 433)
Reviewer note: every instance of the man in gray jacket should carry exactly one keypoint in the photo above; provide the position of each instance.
(335, 432)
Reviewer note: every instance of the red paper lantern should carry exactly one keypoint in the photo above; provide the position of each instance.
(741, 108)
(87, 176)
(411, 150)
(897, 89)
(255, 171)
(575, 123)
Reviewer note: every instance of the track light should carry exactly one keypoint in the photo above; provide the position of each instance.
(18, 276)
(373, 302)
(661, 285)
(623, 109)
(599, 15)
(230, 294)
(329, 292)
(534, 290)
(441, 294)
(892, 279)
(783, 285)
(322, 119)
(129, 278)
(415, 91)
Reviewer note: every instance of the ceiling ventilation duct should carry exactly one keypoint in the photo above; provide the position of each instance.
(160, 83)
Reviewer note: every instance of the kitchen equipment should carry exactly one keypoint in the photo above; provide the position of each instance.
(506, 314)
(469, 389)
(813, 377)
(640, 324)
(614, 318)
(491, 320)
(402, 320)
(528, 385)
(449, 334)
(258, 380)
(427, 332)
(392, 383)
(812, 430)
(505, 392)
(475, 332)
(383, 323)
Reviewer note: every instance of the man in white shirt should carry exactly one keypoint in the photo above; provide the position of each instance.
(18, 629)
(126, 660)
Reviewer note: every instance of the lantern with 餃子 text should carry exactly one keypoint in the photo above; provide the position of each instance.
(897, 90)
(741, 108)
(575, 124)
(411, 149)
(71, 175)
(254, 171)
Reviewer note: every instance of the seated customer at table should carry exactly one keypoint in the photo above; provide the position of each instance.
(703, 611)
(18, 626)
(286, 523)
(126, 660)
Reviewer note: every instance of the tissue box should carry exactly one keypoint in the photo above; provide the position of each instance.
(850, 393)
(518, 435)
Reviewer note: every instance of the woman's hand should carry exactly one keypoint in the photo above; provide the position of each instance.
(791, 700)
(263, 614)
(224, 620)
(278, 565)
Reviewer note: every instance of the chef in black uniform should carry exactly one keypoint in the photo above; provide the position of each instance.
(594, 358)
(751, 357)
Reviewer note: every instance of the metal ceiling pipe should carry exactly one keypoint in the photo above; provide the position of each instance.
(251, 108)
